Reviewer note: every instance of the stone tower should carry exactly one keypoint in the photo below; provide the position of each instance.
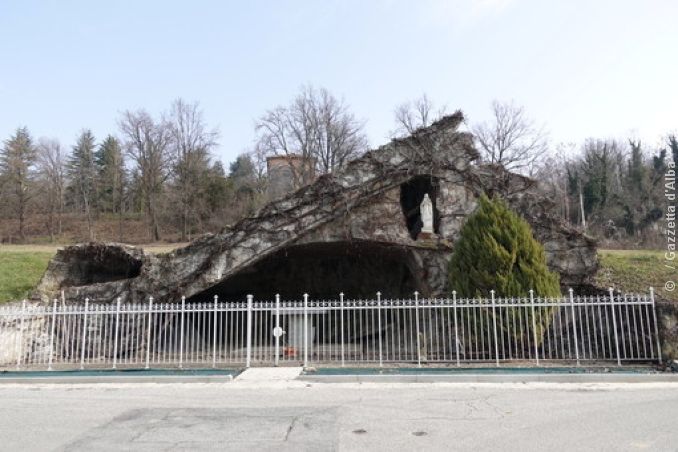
(287, 173)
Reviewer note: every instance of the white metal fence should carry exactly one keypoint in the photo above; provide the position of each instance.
(452, 331)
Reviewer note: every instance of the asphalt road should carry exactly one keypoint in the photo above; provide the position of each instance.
(292, 415)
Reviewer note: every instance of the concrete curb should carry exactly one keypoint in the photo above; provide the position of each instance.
(118, 379)
(495, 378)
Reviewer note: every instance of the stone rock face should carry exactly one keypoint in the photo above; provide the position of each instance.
(15, 344)
(368, 212)
(667, 320)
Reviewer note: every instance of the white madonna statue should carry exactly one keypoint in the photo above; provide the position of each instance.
(426, 209)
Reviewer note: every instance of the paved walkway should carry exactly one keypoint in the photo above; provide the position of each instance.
(269, 374)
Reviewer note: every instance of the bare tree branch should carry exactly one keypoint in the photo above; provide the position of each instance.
(415, 114)
(511, 139)
(315, 125)
(148, 145)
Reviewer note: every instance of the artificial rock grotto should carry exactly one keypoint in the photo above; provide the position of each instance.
(357, 231)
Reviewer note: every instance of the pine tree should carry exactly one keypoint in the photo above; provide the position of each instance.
(111, 174)
(82, 172)
(17, 160)
(111, 179)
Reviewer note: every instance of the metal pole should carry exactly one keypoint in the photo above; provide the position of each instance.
(416, 318)
(84, 335)
(148, 336)
(214, 333)
(305, 330)
(115, 336)
(181, 333)
(494, 324)
(277, 329)
(656, 326)
(381, 362)
(341, 326)
(614, 326)
(534, 327)
(248, 359)
(51, 336)
(574, 325)
(456, 331)
(21, 336)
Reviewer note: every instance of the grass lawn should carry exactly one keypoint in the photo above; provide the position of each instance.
(635, 271)
(20, 271)
(21, 266)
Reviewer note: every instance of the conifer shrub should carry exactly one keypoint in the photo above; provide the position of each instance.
(497, 251)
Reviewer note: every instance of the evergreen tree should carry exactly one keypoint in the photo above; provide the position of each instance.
(111, 179)
(17, 160)
(497, 251)
(111, 175)
(243, 176)
(219, 196)
(82, 172)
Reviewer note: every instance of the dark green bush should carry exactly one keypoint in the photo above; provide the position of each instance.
(497, 251)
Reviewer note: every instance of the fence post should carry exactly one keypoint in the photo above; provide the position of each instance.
(341, 325)
(534, 327)
(84, 336)
(214, 333)
(494, 326)
(456, 332)
(614, 326)
(248, 358)
(115, 336)
(277, 329)
(381, 361)
(416, 321)
(21, 336)
(656, 327)
(305, 330)
(51, 335)
(574, 325)
(181, 333)
(148, 335)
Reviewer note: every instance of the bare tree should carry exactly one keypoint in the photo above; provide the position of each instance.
(552, 172)
(511, 139)
(412, 115)
(147, 143)
(315, 125)
(191, 144)
(51, 166)
(258, 156)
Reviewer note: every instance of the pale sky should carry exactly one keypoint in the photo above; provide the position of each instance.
(584, 68)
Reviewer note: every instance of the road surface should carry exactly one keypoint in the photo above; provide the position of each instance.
(279, 415)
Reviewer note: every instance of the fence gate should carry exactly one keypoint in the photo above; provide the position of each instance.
(612, 329)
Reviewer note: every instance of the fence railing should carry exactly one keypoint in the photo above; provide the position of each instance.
(615, 328)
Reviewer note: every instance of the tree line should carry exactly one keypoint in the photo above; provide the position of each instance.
(614, 189)
(161, 171)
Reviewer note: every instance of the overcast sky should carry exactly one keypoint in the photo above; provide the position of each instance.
(584, 68)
